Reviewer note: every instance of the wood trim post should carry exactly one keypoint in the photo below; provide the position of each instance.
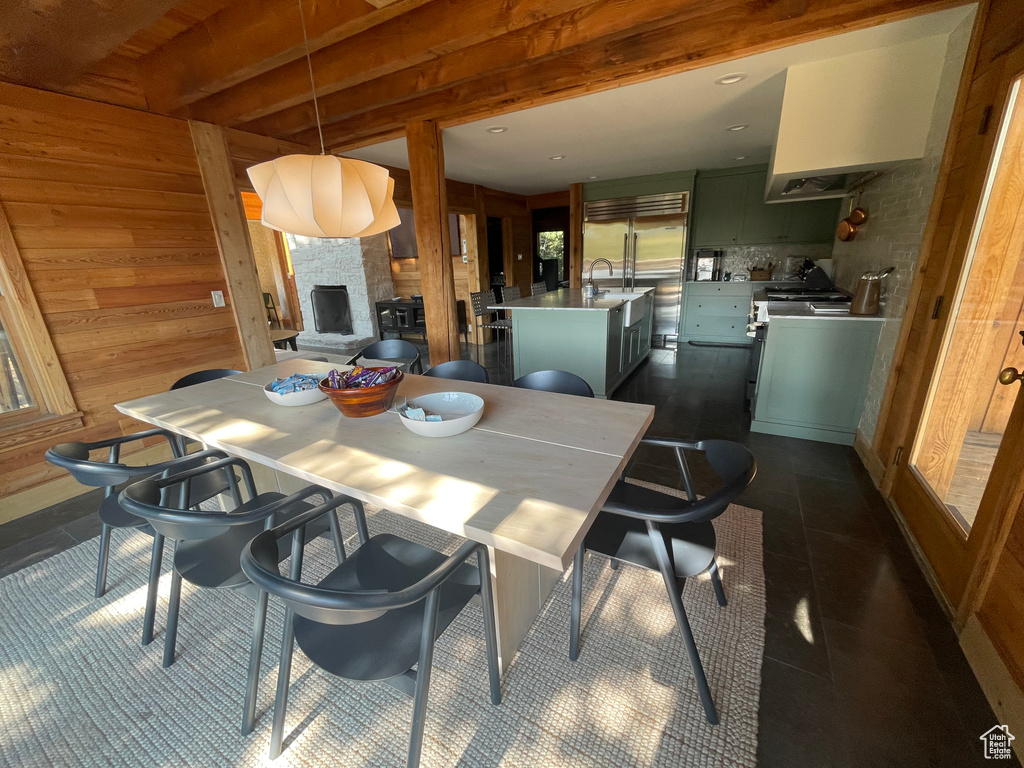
(232, 231)
(29, 327)
(433, 246)
(575, 236)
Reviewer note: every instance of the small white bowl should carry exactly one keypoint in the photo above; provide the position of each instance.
(305, 397)
(459, 411)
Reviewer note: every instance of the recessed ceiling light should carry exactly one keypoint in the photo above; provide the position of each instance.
(731, 78)
(497, 129)
(593, 177)
(740, 157)
(738, 127)
(557, 157)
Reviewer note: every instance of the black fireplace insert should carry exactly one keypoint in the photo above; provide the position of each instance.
(331, 310)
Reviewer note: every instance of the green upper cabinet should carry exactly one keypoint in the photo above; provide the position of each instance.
(716, 202)
(762, 223)
(813, 221)
(729, 209)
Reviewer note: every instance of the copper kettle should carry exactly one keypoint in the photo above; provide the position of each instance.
(869, 290)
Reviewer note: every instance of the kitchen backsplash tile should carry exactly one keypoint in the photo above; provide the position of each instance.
(742, 258)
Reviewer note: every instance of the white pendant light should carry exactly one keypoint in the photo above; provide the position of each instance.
(324, 195)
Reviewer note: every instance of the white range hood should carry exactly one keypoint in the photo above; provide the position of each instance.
(853, 115)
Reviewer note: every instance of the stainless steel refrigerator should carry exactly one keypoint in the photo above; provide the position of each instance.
(644, 238)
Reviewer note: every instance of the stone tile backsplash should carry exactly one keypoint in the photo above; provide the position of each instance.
(743, 258)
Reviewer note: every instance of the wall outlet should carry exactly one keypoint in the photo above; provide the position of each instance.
(218, 298)
(520, 257)
(465, 259)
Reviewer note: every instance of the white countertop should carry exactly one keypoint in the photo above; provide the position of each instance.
(566, 298)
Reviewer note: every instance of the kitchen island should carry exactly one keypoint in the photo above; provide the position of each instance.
(601, 340)
(814, 372)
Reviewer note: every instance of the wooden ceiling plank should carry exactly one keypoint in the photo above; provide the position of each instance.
(723, 31)
(49, 45)
(431, 30)
(602, 20)
(242, 41)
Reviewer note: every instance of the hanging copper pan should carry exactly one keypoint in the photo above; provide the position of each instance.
(846, 230)
(857, 216)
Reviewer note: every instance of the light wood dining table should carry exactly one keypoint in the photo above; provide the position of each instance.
(527, 480)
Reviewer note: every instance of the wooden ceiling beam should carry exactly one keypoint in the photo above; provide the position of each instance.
(433, 29)
(720, 31)
(244, 40)
(601, 20)
(51, 44)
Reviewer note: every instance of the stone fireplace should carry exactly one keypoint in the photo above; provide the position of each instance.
(362, 266)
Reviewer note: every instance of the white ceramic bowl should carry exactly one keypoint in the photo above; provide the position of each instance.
(305, 397)
(458, 410)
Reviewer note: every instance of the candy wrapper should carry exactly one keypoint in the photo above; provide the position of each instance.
(360, 378)
(297, 382)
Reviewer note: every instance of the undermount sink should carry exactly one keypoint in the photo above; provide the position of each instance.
(636, 307)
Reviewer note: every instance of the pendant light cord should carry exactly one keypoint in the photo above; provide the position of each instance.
(312, 85)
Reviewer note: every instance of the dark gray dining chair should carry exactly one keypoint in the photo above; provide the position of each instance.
(208, 545)
(200, 377)
(668, 534)
(111, 473)
(392, 350)
(462, 370)
(375, 616)
(555, 381)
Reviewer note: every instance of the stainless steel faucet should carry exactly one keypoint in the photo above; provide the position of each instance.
(590, 291)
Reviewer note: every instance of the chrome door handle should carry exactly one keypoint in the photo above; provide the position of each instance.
(632, 271)
(625, 258)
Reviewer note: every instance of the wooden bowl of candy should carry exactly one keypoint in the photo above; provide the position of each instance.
(362, 391)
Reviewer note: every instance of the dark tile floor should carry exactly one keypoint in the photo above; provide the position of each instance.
(861, 669)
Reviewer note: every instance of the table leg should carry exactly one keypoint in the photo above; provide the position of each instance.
(521, 588)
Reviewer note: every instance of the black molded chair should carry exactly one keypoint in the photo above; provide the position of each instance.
(74, 457)
(463, 370)
(555, 381)
(664, 533)
(375, 616)
(397, 350)
(199, 377)
(208, 545)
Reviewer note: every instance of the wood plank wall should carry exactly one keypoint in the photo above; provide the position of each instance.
(109, 215)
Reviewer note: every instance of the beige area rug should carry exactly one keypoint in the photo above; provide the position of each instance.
(77, 689)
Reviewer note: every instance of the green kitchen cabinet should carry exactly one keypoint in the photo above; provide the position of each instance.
(763, 223)
(593, 344)
(718, 210)
(813, 377)
(716, 311)
(812, 221)
(729, 209)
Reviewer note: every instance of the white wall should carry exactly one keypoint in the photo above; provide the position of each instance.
(897, 205)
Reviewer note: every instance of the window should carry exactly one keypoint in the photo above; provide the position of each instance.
(551, 245)
(35, 401)
(15, 394)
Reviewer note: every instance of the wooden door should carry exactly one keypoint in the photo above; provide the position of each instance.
(964, 475)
